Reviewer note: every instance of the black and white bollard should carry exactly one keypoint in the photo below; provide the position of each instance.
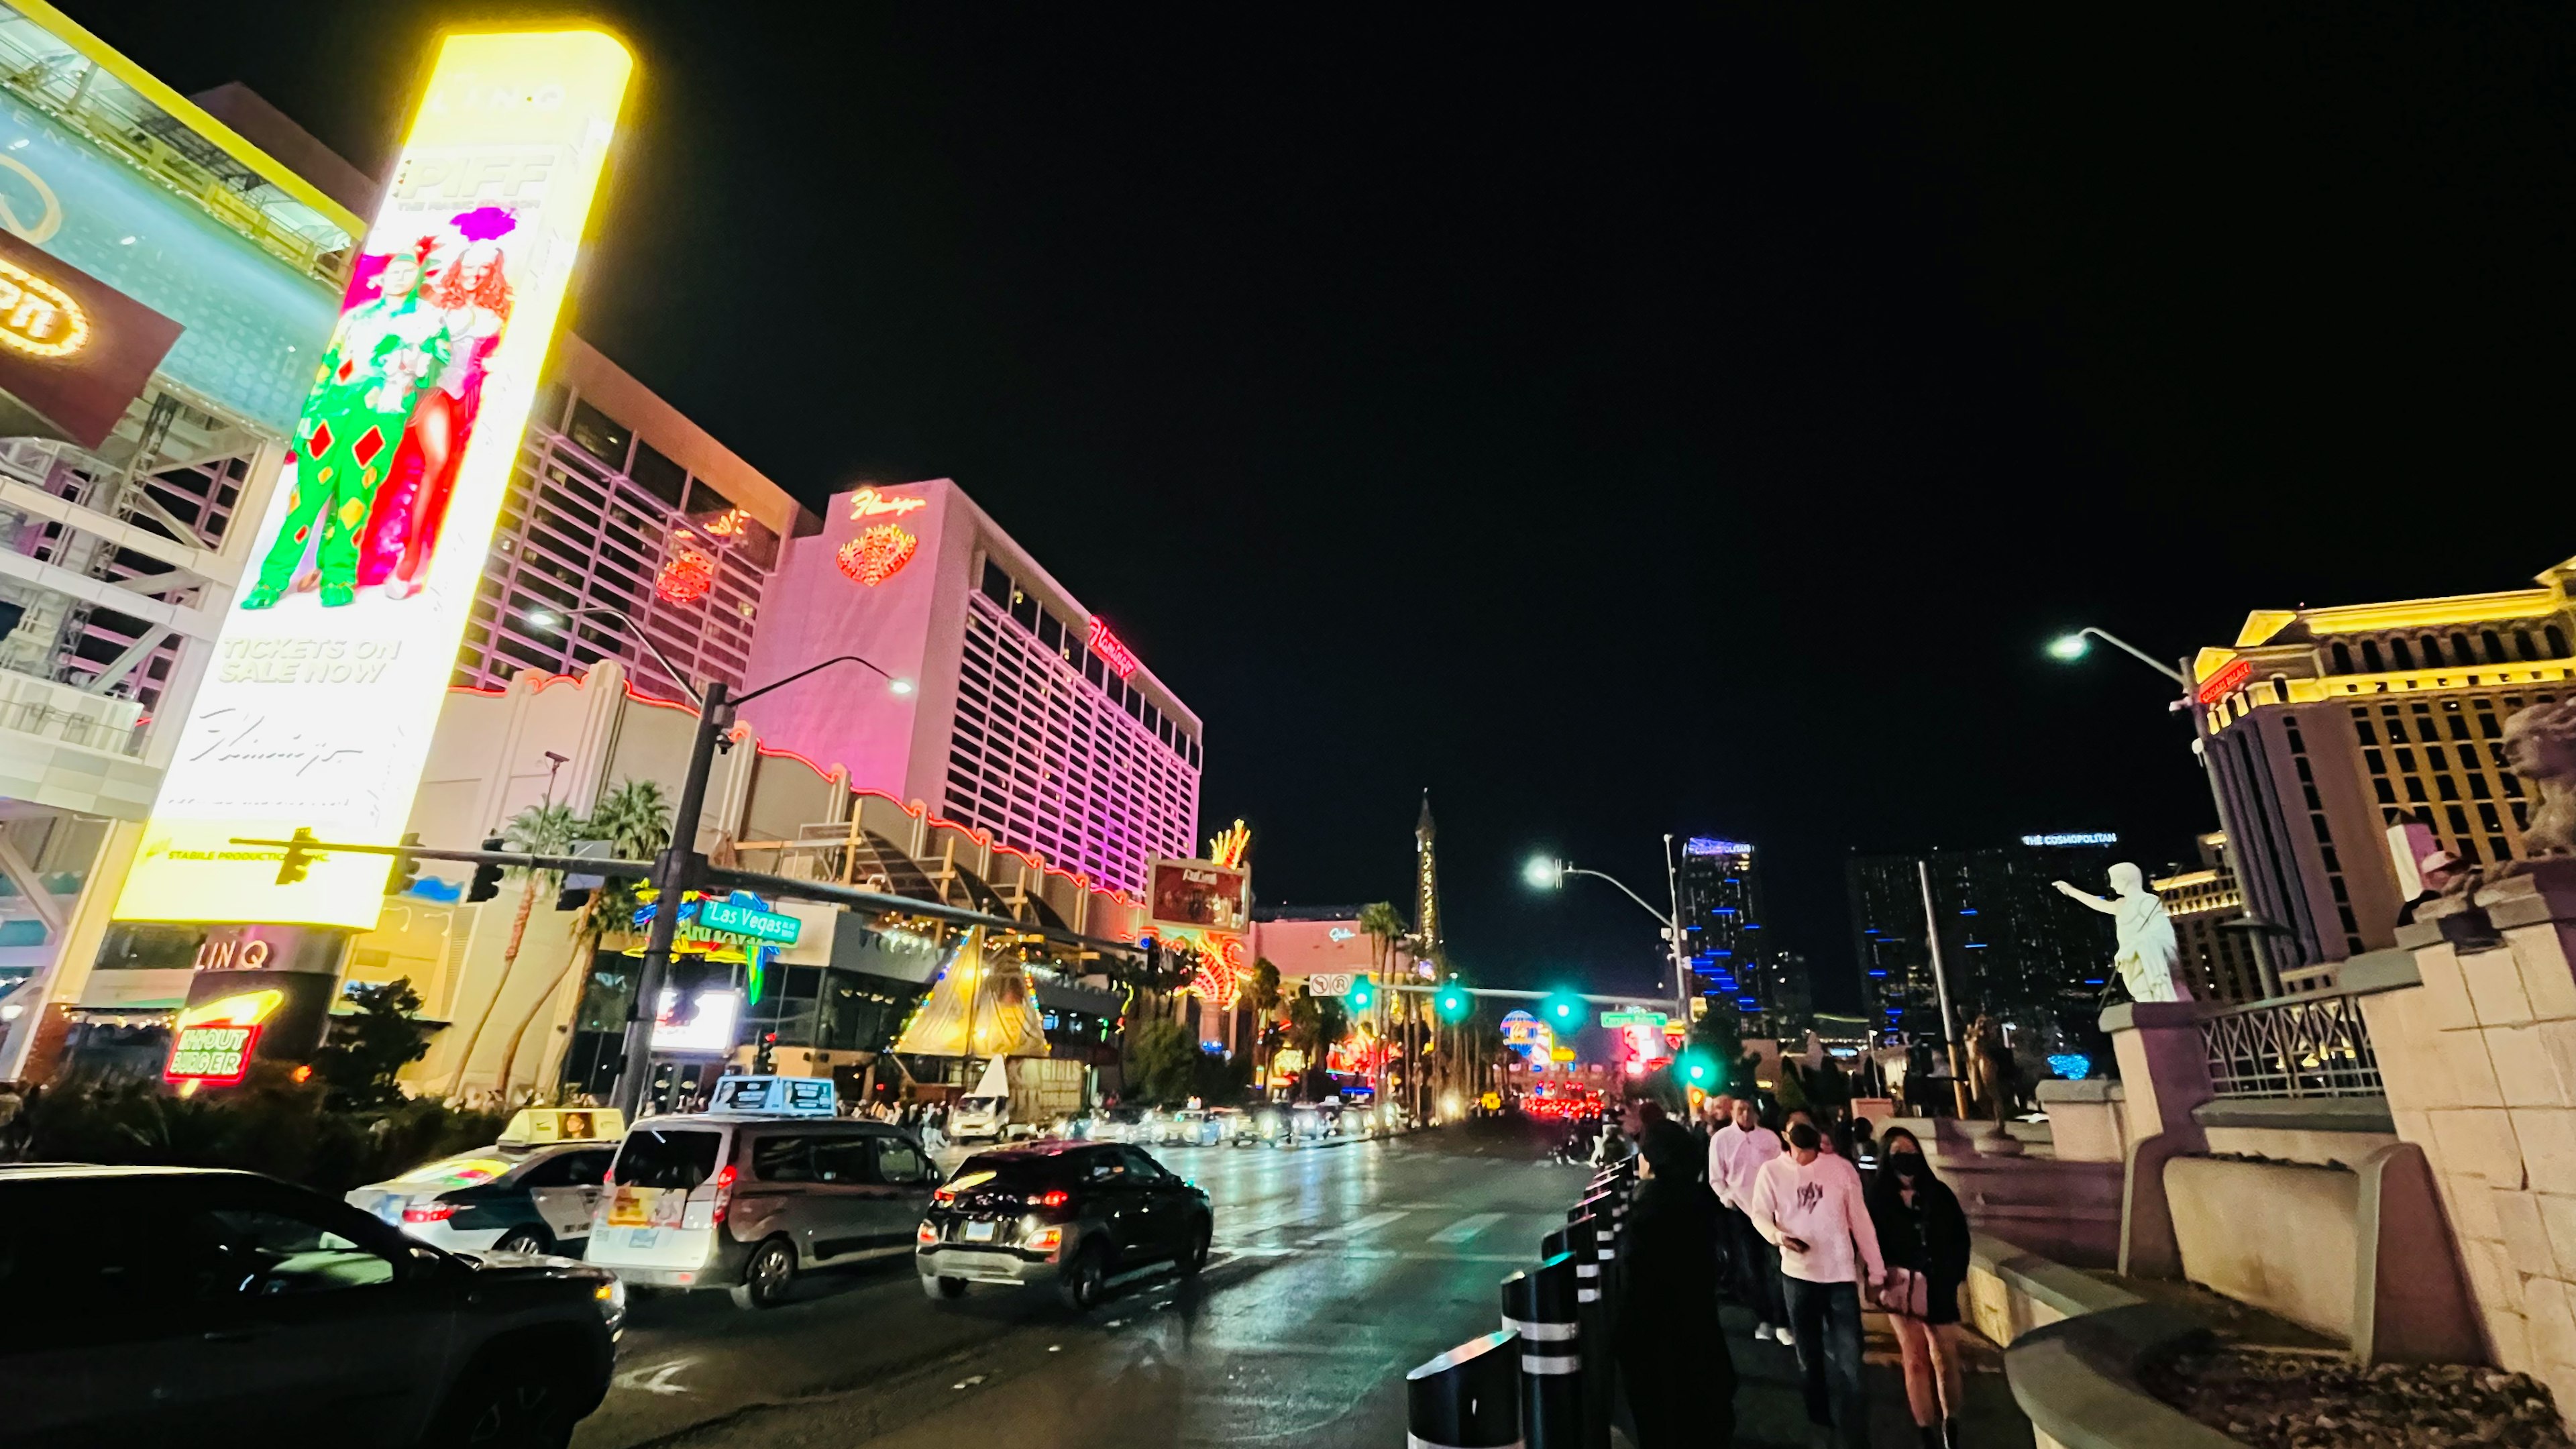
(1610, 1208)
(1583, 1240)
(1540, 1305)
(1467, 1398)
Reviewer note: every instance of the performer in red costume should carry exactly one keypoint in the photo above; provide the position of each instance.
(470, 287)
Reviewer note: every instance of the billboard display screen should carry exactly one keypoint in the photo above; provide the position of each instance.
(327, 678)
(1199, 893)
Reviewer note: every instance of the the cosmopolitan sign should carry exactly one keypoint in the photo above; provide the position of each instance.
(333, 662)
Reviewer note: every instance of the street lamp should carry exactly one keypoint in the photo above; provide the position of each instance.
(677, 868)
(2071, 647)
(1548, 873)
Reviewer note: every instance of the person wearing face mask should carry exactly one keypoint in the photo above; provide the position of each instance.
(1809, 1204)
(1923, 1237)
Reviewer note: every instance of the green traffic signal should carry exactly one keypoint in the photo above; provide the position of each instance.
(1363, 995)
(1452, 1003)
(1564, 1009)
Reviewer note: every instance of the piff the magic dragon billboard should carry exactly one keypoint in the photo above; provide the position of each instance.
(334, 658)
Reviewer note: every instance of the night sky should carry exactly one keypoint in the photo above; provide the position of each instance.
(1618, 425)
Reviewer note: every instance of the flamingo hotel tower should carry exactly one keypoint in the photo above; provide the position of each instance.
(1018, 711)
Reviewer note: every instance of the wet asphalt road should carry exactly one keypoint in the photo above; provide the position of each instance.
(1334, 1271)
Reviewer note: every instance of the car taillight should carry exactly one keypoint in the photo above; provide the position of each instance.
(943, 1196)
(1044, 1240)
(1052, 1198)
(928, 1232)
(429, 1212)
(724, 1191)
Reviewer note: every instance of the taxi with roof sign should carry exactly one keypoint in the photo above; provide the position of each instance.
(534, 1191)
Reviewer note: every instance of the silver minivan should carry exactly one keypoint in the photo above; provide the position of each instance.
(745, 1203)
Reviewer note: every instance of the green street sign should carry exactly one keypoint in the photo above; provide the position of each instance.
(772, 926)
(1654, 1019)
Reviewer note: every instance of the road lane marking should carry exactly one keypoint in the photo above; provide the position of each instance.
(656, 1378)
(1466, 1228)
(1369, 1224)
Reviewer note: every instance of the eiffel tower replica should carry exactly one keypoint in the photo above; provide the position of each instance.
(1428, 944)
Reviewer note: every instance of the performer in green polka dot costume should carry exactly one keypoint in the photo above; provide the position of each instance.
(387, 354)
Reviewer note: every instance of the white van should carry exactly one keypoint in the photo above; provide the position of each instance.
(745, 1203)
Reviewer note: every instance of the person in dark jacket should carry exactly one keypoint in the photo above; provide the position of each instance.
(1679, 1376)
(1921, 1230)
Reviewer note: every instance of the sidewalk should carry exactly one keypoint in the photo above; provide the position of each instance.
(1770, 1405)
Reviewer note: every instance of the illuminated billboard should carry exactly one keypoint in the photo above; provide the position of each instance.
(326, 681)
(1199, 893)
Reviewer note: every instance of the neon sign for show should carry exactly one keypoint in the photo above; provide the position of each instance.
(869, 503)
(1110, 647)
(2094, 837)
(37, 317)
(327, 679)
(1702, 845)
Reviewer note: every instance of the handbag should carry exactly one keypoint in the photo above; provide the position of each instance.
(1906, 1293)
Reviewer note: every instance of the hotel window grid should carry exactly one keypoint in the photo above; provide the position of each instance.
(2444, 764)
(1041, 756)
(598, 516)
(2306, 768)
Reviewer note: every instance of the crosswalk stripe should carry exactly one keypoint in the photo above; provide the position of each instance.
(1466, 1228)
(1354, 1228)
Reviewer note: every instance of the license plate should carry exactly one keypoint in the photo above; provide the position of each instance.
(643, 1237)
(980, 1232)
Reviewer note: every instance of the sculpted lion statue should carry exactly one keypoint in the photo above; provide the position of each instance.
(2540, 746)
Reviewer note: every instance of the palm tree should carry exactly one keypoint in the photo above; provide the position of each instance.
(1261, 994)
(547, 829)
(635, 820)
(1383, 925)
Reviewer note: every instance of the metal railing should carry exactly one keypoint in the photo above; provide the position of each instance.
(2317, 1046)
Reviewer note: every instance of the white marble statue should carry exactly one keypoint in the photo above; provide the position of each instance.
(2147, 953)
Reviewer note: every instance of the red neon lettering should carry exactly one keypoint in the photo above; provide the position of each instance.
(1108, 646)
(2226, 681)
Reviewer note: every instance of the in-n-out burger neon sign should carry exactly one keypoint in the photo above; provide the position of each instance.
(37, 317)
(869, 503)
(1110, 647)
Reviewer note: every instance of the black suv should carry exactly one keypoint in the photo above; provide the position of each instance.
(171, 1306)
(1082, 1215)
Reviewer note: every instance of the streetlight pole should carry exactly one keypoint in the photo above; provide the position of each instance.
(1671, 925)
(2256, 929)
(1941, 985)
(679, 867)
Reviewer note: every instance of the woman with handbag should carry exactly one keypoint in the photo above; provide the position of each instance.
(1923, 1236)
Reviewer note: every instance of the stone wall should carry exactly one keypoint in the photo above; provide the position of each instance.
(2480, 1066)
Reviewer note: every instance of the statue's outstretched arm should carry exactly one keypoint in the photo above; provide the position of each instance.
(2108, 908)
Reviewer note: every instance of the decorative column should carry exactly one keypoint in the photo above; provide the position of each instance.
(2164, 1073)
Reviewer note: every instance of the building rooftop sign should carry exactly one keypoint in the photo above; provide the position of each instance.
(2095, 837)
(1702, 845)
(1111, 648)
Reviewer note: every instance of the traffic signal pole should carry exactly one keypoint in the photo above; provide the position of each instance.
(674, 873)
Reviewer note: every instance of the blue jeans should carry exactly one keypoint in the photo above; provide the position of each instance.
(1826, 1319)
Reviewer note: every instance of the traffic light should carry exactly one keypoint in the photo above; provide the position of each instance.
(404, 872)
(299, 857)
(1698, 1071)
(1363, 994)
(1564, 1012)
(487, 876)
(1451, 1003)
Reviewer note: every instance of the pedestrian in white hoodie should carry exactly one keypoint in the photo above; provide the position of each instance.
(1809, 1203)
(1735, 1155)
